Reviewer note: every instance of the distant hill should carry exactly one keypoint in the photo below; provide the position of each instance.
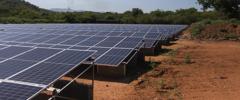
(65, 10)
(16, 7)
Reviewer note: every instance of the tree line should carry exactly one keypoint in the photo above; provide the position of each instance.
(19, 11)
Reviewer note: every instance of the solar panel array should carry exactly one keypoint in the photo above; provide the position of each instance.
(100, 37)
(33, 56)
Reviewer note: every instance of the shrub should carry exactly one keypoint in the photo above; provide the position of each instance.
(187, 58)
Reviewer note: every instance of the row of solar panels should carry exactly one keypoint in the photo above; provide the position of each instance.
(89, 41)
(30, 61)
(26, 71)
(96, 27)
(146, 35)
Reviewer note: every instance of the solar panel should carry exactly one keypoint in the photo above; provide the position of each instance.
(12, 51)
(100, 51)
(59, 39)
(43, 45)
(113, 57)
(37, 54)
(43, 73)
(91, 41)
(114, 33)
(60, 46)
(43, 39)
(79, 48)
(29, 38)
(1, 46)
(110, 60)
(69, 57)
(14, 37)
(110, 42)
(130, 42)
(10, 91)
(11, 67)
(75, 40)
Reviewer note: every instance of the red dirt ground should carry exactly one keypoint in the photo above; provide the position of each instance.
(213, 74)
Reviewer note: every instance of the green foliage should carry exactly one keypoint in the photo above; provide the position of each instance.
(228, 7)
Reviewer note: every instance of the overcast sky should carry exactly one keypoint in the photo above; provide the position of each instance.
(115, 5)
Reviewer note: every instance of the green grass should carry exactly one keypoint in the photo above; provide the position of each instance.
(187, 58)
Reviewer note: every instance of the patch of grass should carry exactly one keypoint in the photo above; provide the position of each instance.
(161, 83)
(153, 64)
(197, 28)
(231, 36)
(173, 53)
(187, 58)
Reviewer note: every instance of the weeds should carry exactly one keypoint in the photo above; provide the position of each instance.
(161, 83)
(173, 53)
(231, 36)
(187, 58)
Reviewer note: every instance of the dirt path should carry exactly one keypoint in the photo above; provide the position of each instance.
(190, 70)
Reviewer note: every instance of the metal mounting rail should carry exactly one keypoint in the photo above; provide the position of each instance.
(58, 91)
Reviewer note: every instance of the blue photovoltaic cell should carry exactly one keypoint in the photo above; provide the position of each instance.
(91, 33)
(149, 43)
(114, 57)
(12, 43)
(43, 39)
(130, 42)
(128, 45)
(100, 51)
(29, 38)
(102, 34)
(110, 42)
(114, 34)
(10, 67)
(60, 46)
(43, 45)
(2, 42)
(14, 37)
(110, 60)
(79, 48)
(139, 34)
(59, 39)
(44, 73)
(10, 91)
(12, 51)
(75, 40)
(91, 41)
(26, 44)
(70, 57)
(38, 54)
(127, 34)
(1, 59)
(1, 46)
(119, 52)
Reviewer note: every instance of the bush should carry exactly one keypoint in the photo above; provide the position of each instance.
(187, 58)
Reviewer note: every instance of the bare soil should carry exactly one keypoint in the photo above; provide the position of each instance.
(188, 70)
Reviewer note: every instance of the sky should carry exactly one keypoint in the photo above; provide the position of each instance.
(116, 5)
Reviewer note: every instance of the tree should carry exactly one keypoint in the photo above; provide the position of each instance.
(227, 7)
(137, 12)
